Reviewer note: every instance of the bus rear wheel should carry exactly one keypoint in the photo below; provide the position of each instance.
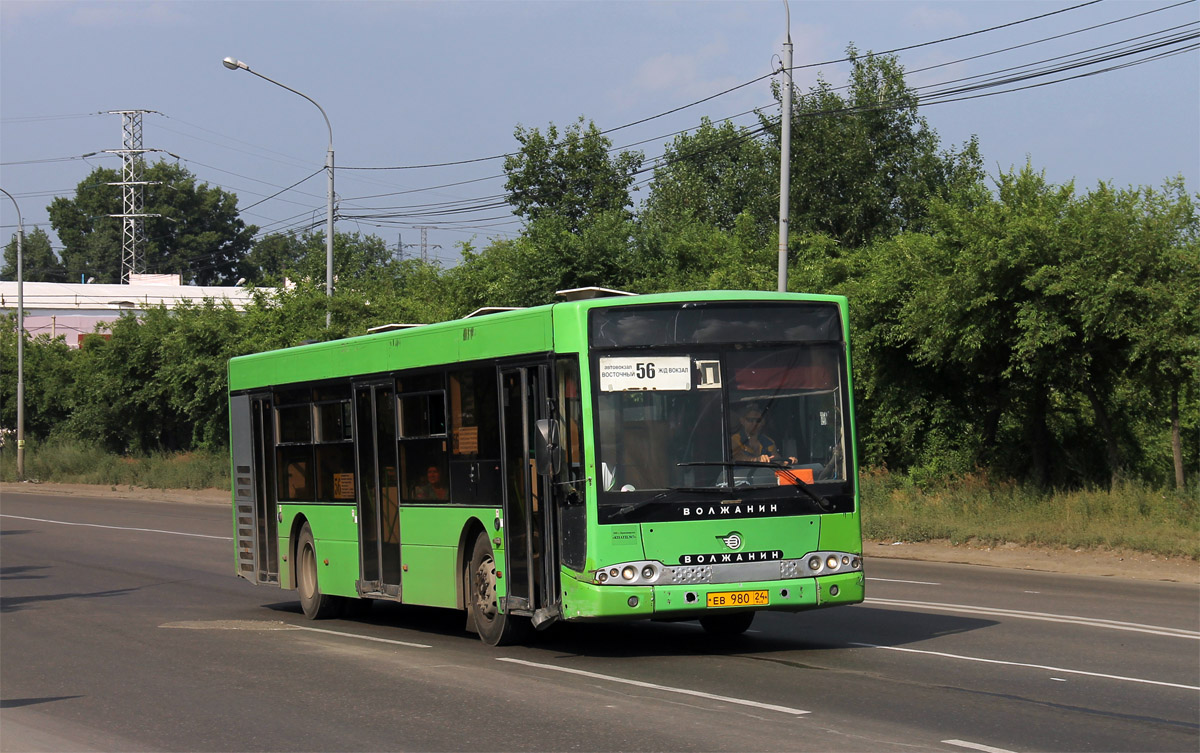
(316, 605)
(495, 628)
(727, 625)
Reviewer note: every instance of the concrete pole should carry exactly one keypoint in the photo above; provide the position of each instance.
(785, 153)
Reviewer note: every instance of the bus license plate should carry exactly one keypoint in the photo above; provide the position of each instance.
(738, 599)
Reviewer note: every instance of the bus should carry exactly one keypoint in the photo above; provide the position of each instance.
(676, 456)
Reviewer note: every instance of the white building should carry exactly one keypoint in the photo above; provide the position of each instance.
(72, 310)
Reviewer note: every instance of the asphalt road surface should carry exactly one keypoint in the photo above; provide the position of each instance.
(123, 628)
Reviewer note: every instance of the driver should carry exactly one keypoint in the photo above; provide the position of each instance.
(751, 444)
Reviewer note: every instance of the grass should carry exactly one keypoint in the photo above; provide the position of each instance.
(974, 510)
(66, 461)
(978, 510)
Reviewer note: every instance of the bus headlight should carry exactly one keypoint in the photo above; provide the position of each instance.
(640, 573)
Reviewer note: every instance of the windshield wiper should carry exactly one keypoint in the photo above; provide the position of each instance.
(663, 495)
(806, 488)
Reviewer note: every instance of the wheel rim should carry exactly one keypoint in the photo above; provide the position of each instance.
(485, 588)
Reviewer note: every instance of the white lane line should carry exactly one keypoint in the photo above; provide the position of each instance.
(360, 637)
(1042, 616)
(664, 688)
(1031, 666)
(120, 528)
(976, 746)
(914, 582)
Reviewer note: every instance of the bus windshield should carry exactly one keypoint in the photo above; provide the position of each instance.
(721, 416)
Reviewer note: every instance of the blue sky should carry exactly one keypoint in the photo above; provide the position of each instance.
(415, 83)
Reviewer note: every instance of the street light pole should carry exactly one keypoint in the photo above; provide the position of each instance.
(20, 341)
(234, 64)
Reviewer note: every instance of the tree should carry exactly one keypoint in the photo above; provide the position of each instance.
(712, 176)
(197, 235)
(866, 165)
(39, 264)
(295, 257)
(574, 177)
(1036, 333)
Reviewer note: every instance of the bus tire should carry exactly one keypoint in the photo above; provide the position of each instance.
(316, 605)
(727, 625)
(495, 628)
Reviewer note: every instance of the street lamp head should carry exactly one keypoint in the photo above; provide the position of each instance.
(233, 64)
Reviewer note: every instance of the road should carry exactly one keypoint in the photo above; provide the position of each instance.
(122, 627)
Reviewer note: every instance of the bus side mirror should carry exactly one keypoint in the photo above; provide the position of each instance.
(547, 453)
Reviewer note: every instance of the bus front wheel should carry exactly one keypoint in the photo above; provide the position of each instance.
(495, 628)
(316, 605)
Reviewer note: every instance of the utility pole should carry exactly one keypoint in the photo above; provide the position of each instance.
(132, 164)
(785, 152)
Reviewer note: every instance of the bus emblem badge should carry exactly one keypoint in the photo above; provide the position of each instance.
(733, 540)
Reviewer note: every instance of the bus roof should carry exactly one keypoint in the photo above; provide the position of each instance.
(541, 329)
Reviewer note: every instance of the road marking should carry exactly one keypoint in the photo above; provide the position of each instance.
(1043, 616)
(914, 582)
(121, 528)
(653, 686)
(1031, 666)
(360, 637)
(976, 746)
(279, 625)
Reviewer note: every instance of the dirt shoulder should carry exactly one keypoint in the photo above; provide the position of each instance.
(1117, 563)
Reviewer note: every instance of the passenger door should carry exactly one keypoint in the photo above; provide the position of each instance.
(377, 489)
(531, 571)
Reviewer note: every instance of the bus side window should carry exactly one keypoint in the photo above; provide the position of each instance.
(475, 436)
(424, 447)
(294, 447)
(335, 450)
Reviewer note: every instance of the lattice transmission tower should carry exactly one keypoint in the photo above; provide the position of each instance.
(132, 166)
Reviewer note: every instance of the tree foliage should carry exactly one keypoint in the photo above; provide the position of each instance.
(38, 263)
(712, 176)
(196, 234)
(866, 164)
(573, 177)
(1020, 333)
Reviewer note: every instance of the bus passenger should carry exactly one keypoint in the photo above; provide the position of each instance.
(434, 487)
(751, 444)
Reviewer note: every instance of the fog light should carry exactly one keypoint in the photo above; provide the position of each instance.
(814, 564)
(648, 572)
(854, 563)
(633, 601)
(832, 562)
(629, 573)
(833, 590)
(602, 577)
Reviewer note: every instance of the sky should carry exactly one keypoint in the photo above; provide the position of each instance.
(408, 84)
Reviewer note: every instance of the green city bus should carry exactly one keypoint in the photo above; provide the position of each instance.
(681, 456)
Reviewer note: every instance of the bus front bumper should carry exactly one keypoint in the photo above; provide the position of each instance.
(589, 601)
